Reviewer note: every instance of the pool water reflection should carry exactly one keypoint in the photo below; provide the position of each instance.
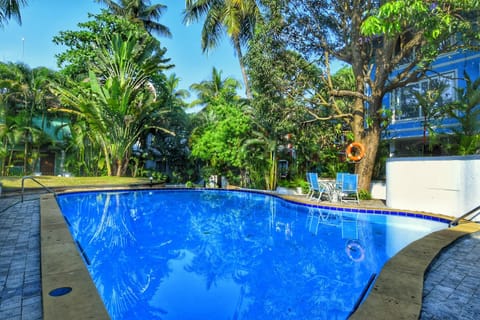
(211, 254)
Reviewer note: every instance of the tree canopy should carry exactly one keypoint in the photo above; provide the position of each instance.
(237, 19)
(375, 39)
(118, 102)
(140, 11)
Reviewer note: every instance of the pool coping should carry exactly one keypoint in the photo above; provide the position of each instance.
(396, 292)
(62, 267)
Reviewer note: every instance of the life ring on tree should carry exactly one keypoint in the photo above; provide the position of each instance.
(355, 251)
(355, 151)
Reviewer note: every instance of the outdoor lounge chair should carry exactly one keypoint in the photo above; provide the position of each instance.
(317, 187)
(339, 180)
(310, 189)
(349, 188)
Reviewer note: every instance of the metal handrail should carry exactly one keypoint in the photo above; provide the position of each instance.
(475, 211)
(36, 181)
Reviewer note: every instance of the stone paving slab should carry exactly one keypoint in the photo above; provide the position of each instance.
(20, 284)
(452, 284)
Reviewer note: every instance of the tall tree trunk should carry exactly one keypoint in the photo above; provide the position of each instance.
(125, 162)
(238, 49)
(25, 154)
(365, 167)
(107, 159)
(119, 168)
(369, 137)
(4, 156)
(272, 172)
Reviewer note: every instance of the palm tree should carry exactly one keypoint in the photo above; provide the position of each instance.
(9, 9)
(235, 17)
(209, 91)
(262, 147)
(174, 96)
(142, 12)
(25, 96)
(467, 112)
(117, 102)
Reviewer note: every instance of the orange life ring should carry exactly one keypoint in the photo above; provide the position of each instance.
(355, 251)
(358, 151)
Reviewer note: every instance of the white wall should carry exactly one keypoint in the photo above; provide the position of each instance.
(444, 185)
(378, 190)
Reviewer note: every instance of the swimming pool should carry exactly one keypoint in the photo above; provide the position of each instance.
(213, 254)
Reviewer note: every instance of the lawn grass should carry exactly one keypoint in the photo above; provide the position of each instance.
(15, 183)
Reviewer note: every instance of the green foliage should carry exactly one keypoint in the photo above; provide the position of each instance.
(375, 39)
(280, 79)
(466, 110)
(117, 103)
(220, 140)
(220, 127)
(434, 18)
(140, 12)
(237, 19)
(436, 21)
(215, 91)
(469, 144)
(24, 99)
(82, 45)
(159, 177)
(295, 183)
(331, 162)
(364, 195)
(11, 9)
(114, 94)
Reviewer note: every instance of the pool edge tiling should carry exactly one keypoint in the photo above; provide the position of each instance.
(396, 293)
(359, 208)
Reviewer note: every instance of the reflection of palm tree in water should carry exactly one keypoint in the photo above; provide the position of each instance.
(233, 245)
(123, 278)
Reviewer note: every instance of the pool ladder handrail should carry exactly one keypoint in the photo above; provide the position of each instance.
(475, 212)
(36, 181)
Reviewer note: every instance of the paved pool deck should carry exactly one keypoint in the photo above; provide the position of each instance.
(20, 280)
(449, 260)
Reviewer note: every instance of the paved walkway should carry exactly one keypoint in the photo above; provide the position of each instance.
(452, 285)
(451, 288)
(20, 286)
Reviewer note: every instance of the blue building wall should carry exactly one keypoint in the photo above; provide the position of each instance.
(413, 128)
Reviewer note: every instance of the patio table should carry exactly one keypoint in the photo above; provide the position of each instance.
(333, 192)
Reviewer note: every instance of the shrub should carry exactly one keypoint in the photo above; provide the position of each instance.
(364, 195)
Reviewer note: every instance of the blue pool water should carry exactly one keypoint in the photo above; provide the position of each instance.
(211, 254)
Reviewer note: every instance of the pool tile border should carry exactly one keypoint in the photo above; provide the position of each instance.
(300, 201)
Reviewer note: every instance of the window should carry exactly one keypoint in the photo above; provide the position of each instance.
(404, 101)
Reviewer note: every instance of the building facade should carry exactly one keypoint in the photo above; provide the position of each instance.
(417, 128)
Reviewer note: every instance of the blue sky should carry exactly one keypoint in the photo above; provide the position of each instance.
(43, 19)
